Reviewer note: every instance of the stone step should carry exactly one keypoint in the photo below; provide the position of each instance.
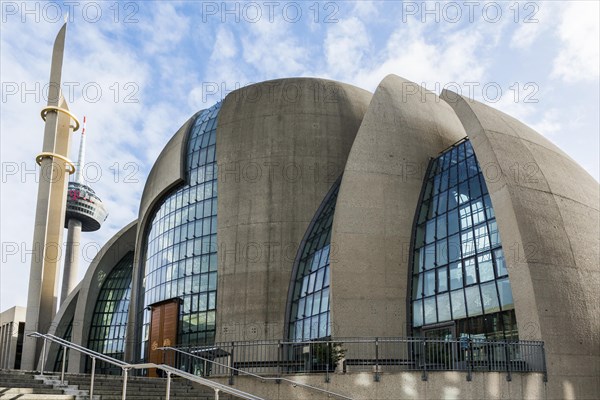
(28, 390)
(32, 383)
(23, 385)
(35, 396)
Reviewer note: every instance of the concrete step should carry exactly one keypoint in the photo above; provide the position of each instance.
(33, 386)
(35, 396)
(28, 390)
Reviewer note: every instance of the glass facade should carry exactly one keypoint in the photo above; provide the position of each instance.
(109, 321)
(309, 314)
(181, 243)
(59, 356)
(459, 272)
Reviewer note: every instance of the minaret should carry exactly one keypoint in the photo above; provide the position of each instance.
(85, 211)
(42, 295)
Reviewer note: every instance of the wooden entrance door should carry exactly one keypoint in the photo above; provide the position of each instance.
(163, 330)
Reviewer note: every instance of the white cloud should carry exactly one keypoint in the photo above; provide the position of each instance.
(166, 28)
(346, 45)
(273, 49)
(225, 45)
(550, 124)
(365, 9)
(578, 56)
(410, 53)
(534, 19)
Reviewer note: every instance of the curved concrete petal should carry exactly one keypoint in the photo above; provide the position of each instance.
(280, 146)
(403, 128)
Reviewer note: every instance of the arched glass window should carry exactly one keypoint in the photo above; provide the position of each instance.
(309, 312)
(181, 242)
(59, 356)
(459, 276)
(109, 321)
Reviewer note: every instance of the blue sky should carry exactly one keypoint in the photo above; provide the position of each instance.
(138, 70)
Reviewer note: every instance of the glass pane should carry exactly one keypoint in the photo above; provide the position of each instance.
(429, 289)
(467, 243)
(454, 248)
(470, 271)
(325, 300)
(506, 299)
(489, 211)
(482, 241)
(429, 256)
(430, 231)
(490, 298)
(442, 279)
(442, 203)
(475, 188)
(478, 213)
(417, 286)
(465, 216)
(463, 193)
(441, 227)
(442, 252)
(452, 198)
(486, 267)
(473, 301)
(418, 260)
(430, 314)
(456, 275)
(418, 313)
(494, 234)
(500, 263)
(459, 309)
(443, 304)
(453, 222)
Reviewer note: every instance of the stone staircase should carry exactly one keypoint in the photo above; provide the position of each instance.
(23, 385)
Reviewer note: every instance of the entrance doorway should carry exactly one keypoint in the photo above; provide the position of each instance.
(163, 330)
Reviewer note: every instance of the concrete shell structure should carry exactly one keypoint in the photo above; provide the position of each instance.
(311, 167)
(549, 210)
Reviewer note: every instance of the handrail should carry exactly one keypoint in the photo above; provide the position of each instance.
(79, 348)
(203, 381)
(125, 367)
(263, 378)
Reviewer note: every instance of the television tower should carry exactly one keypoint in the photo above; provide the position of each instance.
(85, 212)
(50, 209)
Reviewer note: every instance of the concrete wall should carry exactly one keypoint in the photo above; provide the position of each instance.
(89, 288)
(9, 335)
(403, 128)
(403, 385)
(280, 146)
(547, 211)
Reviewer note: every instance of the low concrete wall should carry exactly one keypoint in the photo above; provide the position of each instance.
(402, 385)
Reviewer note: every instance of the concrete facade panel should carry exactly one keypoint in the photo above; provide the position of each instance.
(403, 128)
(280, 147)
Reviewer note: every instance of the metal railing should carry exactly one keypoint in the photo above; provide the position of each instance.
(375, 355)
(180, 354)
(126, 367)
